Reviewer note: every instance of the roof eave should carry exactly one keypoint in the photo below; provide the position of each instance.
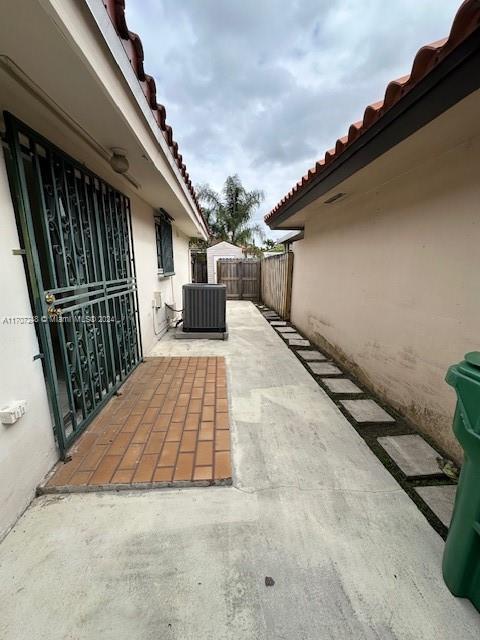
(454, 79)
(133, 50)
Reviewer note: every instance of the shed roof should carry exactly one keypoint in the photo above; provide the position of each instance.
(217, 242)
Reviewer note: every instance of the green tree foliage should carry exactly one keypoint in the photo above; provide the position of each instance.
(229, 213)
(269, 244)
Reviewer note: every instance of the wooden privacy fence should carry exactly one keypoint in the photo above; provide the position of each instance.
(199, 267)
(276, 278)
(241, 277)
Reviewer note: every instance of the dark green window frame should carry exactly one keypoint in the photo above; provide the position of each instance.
(164, 240)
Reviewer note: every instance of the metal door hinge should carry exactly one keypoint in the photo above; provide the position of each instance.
(19, 252)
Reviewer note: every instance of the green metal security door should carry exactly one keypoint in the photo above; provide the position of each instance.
(79, 251)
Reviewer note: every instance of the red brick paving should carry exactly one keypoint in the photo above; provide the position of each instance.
(169, 425)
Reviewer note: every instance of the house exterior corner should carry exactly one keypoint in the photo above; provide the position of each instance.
(94, 258)
(386, 283)
(386, 277)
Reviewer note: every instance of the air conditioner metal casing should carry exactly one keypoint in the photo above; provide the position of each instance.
(204, 307)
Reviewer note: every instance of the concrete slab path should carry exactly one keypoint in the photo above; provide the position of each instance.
(440, 499)
(412, 454)
(311, 507)
(341, 385)
(311, 355)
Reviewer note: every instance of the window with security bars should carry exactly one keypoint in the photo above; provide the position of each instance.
(163, 235)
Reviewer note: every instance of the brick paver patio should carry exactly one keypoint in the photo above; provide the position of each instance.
(169, 426)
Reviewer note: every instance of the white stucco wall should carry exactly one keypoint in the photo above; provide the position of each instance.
(220, 250)
(154, 323)
(389, 282)
(27, 448)
(36, 86)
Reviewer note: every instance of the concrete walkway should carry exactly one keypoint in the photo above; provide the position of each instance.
(311, 507)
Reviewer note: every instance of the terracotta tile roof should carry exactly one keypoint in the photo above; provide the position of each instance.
(466, 21)
(134, 49)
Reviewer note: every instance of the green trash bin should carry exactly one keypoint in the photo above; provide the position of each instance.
(461, 558)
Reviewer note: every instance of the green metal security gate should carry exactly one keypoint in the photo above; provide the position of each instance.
(78, 244)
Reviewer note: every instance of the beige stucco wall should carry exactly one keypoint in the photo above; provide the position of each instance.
(389, 282)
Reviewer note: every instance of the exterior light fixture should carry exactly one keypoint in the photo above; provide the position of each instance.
(118, 161)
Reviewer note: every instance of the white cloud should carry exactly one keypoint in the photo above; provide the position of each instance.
(263, 88)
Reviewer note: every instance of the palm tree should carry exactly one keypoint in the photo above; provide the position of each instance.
(229, 214)
(269, 244)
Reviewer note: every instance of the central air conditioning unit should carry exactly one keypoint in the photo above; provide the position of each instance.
(204, 311)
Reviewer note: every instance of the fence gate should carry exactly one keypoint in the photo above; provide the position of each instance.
(277, 274)
(241, 277)
(199, 267)
(77, 235)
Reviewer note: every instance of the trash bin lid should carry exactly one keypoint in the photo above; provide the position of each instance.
(470, 367)
(473, 358)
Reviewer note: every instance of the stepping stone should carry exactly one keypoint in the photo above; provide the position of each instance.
(366, 411)
(324, 368)
(440, 499)
(269, 314)
(341, 385)
(286, 329)
(311, 355)
(299, 343)
(292, 336)
(412, 454)
(278, 323)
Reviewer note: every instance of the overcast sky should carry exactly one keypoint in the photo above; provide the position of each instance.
(263, 88)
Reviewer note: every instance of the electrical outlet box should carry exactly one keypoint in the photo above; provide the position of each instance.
(157, 299)
(9, 414)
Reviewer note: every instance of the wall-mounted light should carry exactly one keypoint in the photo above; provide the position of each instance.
(118, 161)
